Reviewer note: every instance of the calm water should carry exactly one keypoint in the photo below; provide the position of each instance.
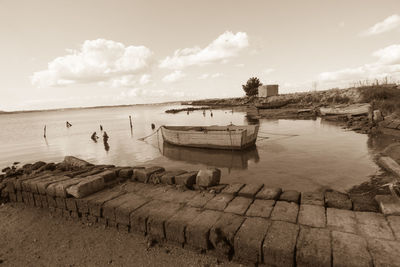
(293, 154)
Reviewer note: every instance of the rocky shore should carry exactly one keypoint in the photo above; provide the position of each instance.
(250, 223)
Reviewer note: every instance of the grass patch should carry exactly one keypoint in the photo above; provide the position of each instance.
(384, 98)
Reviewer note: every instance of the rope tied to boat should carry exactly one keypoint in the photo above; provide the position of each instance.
(153, 133)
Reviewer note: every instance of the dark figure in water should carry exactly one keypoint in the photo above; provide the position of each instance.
(204, 113)
(153, 126)
(187, 112)
(211, 114)
(105, 137)
(101, 127)
(94, 136)
(68, 124)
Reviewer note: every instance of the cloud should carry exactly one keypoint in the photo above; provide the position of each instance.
(390, 23)
(207, 75)
(239, 65)
(226, 46)
(145, 79)
(387, 65)
(96, 61)
(173, 77)
(268, 71)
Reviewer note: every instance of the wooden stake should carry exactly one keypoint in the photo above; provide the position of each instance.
(130, 121)
(44, 132)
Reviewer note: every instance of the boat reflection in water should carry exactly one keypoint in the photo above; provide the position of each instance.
(231, 159)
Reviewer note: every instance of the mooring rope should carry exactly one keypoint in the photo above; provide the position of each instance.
(143, 138)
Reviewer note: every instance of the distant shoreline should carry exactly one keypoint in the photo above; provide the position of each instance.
(94, 107)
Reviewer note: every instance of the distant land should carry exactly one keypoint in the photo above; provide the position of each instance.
(94, 107)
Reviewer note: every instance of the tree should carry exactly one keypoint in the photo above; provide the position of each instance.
(251, 87)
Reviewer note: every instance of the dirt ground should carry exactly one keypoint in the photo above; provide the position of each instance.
(32, 237)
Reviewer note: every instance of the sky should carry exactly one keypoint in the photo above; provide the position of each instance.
(58, 54)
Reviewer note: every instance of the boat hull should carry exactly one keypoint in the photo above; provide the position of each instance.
(216, 137)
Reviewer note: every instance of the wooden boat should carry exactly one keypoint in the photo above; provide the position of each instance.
(220, 137)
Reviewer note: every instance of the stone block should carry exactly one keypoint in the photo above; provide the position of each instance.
(388, 204)
(58, 189)
(394, 223)
(38, 200)
(312, 215)
(261, 208)
(87, 186)
(290, 196)
(175, 226)
(51, 201)
(384, 252)
(338, 200)
(390, 165)
(123, 228)
(66, 214)
(188, 179)
(108, 208)
(44, 201)
(233, 188)
(208, 177)
(19, 196)
(373, 225)
(198, 229)
(60, 202)
(285, 211)
(13, 197)
(280, 243)
(92, 219)
(83, 203)
(239, 205)
(219, 202)
(96, 203)
(249, 238)
(44, 183)
(138, 219)
(132, 203)
(74, 163)
(341, 220)
(157, 218)
(364, 204)
(177, 196)
(267, 193)
(250, 190)
(223, 232)
(143, 175)
(125, 173)
(70, 204)
(349, 250)
(200, 200)
(313, 247)
(169, 176)
(313, 198)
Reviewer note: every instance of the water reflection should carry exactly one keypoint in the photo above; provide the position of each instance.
(212, 157)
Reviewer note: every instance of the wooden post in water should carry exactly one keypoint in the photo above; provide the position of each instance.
(130, 121)
(44, 132)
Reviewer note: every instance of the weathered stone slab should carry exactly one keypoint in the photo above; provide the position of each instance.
(313, 247)
(59, 189)
(384, 252)
(341, 220)
(175, 226)
(219, 202)
(349, 250)
(51, 201)
(261, 208)
(157, 218)
(285, 211)
(60, 202)
(312, 215)
(388, 204)
(19, 196)
(96, 203)
(132, 203)
(74, 162)
(233, 188)
(143, 175)
(269, 193)
(290, 196)
(250, 190)
(338, 200)
(374, 225)
(223, 232)
(169, 176)
(108, 208)
(42, 184)
(177, 196)
(29, 185)
(208, 177)
(280, 243)
(44, 201)
(394, 223)
(239, 205)
(38, 200)
(364, 204)
(198, 229)
(125, 173)
(138, 218)
(70, 204)
(87, 186)
(249, 238)
(83, 203)
(312, 198)
(390, 165)
(188, 179)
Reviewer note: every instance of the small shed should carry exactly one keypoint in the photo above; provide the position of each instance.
(268, 90)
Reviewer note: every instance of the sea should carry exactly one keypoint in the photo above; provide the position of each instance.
(304, 155)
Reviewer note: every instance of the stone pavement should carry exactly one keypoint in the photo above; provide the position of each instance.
(252, 224)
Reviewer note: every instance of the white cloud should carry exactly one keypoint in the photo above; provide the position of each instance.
(387, 65)
(268, 71)
(206, 75)
(96, 61)
(226, 46)
(145, 79)
(173, 77)
(390, 23)
(216, 75)
(239, 65)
